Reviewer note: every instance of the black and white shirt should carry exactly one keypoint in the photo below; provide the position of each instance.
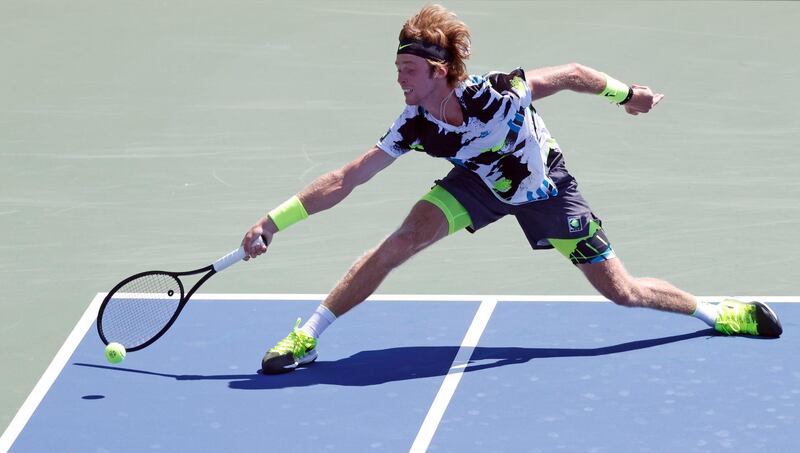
(503, 140)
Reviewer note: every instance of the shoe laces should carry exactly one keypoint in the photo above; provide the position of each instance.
(297, 342)
(736, 317)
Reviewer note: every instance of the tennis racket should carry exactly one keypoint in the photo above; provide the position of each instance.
(141, 308)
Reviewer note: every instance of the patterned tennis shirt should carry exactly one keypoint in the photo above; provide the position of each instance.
(503, 140)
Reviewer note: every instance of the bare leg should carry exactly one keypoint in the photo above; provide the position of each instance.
(424, 225)
(612, 281)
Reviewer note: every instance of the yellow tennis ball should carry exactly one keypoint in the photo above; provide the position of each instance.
(115, 353)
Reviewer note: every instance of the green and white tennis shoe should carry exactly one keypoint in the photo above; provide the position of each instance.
(298, 348)
(747, 318)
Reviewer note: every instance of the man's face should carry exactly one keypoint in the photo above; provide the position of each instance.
(415, 78)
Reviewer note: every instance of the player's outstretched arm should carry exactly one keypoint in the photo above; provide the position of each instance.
(323, 193)
(576, 77)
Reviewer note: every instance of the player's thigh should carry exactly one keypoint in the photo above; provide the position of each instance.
(592, 248)
(595, 257)
(436, 215)
(610, 278)
(424, 225)
(453, 212)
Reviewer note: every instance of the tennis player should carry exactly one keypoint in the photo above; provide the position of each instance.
(505, 163)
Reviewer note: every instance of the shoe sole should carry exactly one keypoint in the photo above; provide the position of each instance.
(286, 363)
(768, 323)
(308, 358)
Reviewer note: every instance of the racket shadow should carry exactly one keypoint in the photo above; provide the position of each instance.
(177, 377)
(380, 366)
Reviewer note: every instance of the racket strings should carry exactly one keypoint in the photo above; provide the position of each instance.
(140, 309)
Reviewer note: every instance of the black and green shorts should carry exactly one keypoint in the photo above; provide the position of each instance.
(565, 222)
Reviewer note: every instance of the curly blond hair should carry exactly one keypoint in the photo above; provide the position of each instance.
(437, 25)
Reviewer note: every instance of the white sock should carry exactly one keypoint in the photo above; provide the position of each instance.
(319, 321)
(706, 312)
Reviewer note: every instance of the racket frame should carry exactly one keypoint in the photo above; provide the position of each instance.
(221, 264)
(210, 271)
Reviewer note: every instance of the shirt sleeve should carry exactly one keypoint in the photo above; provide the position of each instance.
(399, 138)
(512, 85)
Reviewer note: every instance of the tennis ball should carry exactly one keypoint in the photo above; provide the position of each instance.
(115, 353)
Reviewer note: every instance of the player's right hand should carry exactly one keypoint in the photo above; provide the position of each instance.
(252, 247)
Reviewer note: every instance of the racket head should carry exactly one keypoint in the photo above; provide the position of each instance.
(139, 309)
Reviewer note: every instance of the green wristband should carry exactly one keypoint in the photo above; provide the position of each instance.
(615, 91)
(288, 213)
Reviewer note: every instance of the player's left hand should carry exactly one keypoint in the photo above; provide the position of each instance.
(643, 100)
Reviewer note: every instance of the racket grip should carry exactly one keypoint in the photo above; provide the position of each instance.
(233, 257)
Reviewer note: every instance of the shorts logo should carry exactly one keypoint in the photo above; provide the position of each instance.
(575, 224)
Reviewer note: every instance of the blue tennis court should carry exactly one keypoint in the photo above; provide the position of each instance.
(415, 374)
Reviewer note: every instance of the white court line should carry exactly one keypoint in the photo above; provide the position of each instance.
(465, 298)
(450, 383)
(50, 374)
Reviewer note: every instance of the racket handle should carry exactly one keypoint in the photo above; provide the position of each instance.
(234, 257)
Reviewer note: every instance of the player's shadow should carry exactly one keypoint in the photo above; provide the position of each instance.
(403, 363)
(415, 362)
